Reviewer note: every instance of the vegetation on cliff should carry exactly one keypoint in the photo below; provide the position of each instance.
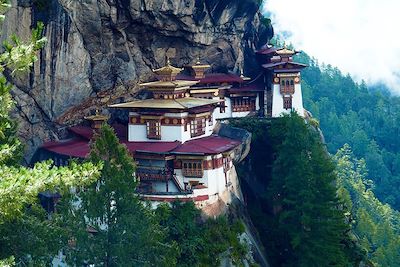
(24, 228)
(291, 184)
(299, 216)
(367, 118)
(376, 225)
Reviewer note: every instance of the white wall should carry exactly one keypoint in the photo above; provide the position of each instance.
(161, 187)
(228, 110)
(277, 101)
(138, 132)
(240, 114)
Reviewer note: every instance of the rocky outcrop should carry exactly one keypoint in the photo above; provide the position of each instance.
(99, 50)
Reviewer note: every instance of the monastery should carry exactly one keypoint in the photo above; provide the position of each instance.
(171, 134)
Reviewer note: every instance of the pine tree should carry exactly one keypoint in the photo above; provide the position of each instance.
(108, 224)
(309, 223)
(26, 234)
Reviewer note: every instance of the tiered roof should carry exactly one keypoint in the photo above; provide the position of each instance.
(78, 146)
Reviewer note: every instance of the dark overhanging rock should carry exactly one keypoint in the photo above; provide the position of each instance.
(99, 51)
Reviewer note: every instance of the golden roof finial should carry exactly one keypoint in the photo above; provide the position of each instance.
(198, 62)
(97, 116)
(168, 61)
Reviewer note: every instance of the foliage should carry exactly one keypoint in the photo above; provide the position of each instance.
(201, 243)
(377, 225)
(367, 118)
(124, 231)
(304, 194)
(24, 228)
(300, 219)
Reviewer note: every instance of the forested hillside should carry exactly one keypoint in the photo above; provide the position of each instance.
(367, 118)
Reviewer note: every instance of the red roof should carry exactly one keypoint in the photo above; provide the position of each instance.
(214, 78)
(77, 148)
(254, 87)
(273, 65)
(82, 131)
(267, 50)
(152, 147)
(207, 145)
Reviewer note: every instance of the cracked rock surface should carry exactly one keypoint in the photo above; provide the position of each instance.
(98, 51)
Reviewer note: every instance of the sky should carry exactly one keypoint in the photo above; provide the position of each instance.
(360, 37)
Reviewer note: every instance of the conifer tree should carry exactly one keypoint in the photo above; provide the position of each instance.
(108, 224)
(26, 234)
(309, 224)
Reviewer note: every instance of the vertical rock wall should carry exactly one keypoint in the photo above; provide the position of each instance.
(99, 50)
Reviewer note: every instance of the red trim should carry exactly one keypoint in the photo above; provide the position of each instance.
(185, 199)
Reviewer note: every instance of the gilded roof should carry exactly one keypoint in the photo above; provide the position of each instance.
(168, 70)
(97, 117)
(180, 103)
(285, 51)
(168, 84)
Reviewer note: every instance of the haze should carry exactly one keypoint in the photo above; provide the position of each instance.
(358, 36)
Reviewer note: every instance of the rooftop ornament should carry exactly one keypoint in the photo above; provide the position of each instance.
(97, 119)
(168, 72)
(199, 69)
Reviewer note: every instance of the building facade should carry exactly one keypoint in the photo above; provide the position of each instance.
(171, 136)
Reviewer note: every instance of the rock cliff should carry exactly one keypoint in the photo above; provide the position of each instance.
(98, 51)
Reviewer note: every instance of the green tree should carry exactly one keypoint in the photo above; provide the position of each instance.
(366, 117)
(24, 227)
(308, 221)
(108, 223)
(201, 242)
(375, 224)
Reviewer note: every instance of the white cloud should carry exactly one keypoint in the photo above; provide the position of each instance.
(360, 37)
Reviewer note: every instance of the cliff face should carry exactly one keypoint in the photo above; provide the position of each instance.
(99, 50)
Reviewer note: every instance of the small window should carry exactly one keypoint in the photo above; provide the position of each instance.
(197, 127)
(287, 102)
(193, 169)
(153, 129)
(210, 120)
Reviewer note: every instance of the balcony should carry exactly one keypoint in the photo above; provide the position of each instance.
(192, 173)
(145, 173)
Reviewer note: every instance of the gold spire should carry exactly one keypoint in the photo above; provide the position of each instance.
(168, 72)
(285, 51)
(97, 119)
(198, 69)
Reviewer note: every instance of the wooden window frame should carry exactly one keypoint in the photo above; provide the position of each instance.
(153, 129)
(197, 127)
(243, 104)
(210, 120)
(193, 168)
(287, 102)
(287, 86)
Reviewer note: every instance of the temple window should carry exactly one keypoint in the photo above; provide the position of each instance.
(287, 102)
(210, 120)
(222, 107)
(287, 86)
(197, 127)
(192, 169)
(153, 129)
(243, 104)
